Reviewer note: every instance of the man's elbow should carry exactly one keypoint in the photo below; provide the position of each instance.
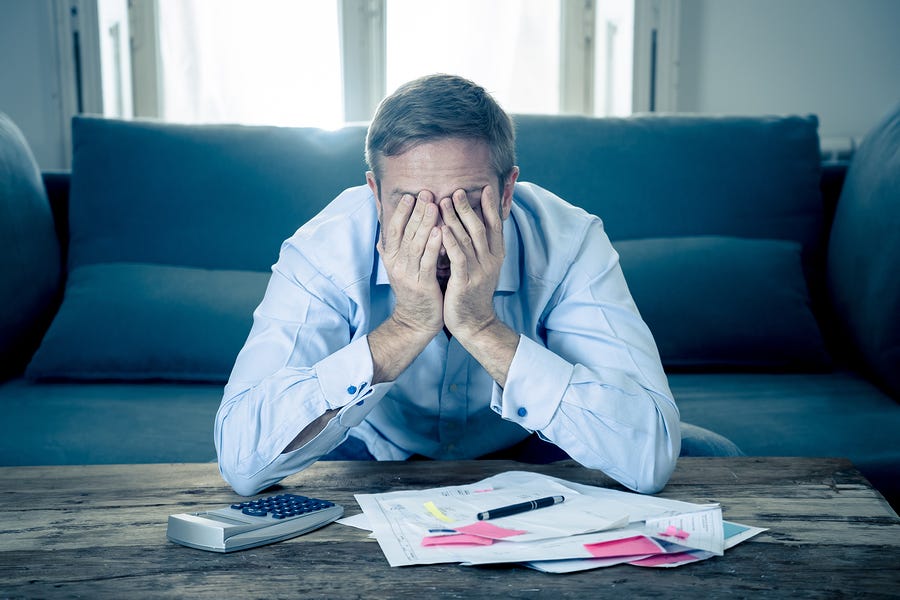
(245, 487)
(655, 477)
(245, 484)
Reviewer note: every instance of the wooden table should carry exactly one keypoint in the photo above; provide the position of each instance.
(99, 531)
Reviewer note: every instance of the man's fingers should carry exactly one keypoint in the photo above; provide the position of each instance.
(415, 246)
(490, 208)
(390, 243)
(415, 220)
(458, 259)
(452, 220)
(470, 218)
(428, 264)
(472, 221)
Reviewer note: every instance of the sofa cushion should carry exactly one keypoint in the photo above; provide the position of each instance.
(799, 414)
(724, 302)
(127, 321)
(29, 262)
(864, 253)
(77, 423)
(209, 196)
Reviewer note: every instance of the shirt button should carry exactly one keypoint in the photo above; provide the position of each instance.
(521, 412)
(351, 390)
(453, 387)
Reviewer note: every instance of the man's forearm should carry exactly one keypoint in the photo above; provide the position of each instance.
(394, 346)
(494, 347)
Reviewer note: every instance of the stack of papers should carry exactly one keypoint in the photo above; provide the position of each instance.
(593, 527)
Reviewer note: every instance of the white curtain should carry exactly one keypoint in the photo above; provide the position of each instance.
(509, 47)
(273, 62)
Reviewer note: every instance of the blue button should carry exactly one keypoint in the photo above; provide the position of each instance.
(360, 403)
(522, 412)
(351, 390)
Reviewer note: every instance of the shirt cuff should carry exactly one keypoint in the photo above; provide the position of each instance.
(535, 385)
(346, 375)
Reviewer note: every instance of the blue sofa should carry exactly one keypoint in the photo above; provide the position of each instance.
(770, 281)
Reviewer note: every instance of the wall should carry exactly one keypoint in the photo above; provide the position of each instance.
(29, 79)
(839, 59)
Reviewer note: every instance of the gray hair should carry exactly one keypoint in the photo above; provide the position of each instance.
(435, 107)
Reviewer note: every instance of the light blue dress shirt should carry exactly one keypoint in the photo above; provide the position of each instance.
(586, 374)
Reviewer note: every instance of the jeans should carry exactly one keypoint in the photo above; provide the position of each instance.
(695, 441)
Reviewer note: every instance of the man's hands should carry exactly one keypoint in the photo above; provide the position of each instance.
(476, 251)
(410, 247)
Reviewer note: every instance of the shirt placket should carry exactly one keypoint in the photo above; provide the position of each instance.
(453, 401)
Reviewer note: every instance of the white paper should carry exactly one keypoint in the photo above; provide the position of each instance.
(400, 520)
(735, 534)
(703, 528)
(360, 521)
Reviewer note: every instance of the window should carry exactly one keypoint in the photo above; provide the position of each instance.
(510, 47)
(275, 62)
(327, 62)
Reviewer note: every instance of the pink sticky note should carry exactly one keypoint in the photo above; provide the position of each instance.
(671, 530)
(489, 530)
(632, 546)
(456, 540)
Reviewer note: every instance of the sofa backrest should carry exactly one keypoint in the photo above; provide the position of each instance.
(226, 196)
(173, 229)
(216, 197)
(668, 176)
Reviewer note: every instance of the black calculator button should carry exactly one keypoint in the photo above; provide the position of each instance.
(254, 512)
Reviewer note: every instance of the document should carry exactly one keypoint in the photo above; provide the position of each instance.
(675, 556)
(424, 526)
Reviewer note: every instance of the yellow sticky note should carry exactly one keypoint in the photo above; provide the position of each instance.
(434, 510)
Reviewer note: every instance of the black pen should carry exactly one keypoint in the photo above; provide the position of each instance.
(514, 509)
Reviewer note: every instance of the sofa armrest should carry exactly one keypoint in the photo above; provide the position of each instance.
(864, 255)
(30, 262)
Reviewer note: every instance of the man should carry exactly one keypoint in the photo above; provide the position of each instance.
(446, 311)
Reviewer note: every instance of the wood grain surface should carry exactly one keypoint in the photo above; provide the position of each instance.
(99, 532)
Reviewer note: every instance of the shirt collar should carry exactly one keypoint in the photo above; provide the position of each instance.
(509, 272)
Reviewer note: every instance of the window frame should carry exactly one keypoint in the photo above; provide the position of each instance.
(362, 24)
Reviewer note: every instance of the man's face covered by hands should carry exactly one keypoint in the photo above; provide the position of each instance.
(437, 195)
(441, 237)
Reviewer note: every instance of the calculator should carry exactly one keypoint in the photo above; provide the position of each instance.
(252, 523)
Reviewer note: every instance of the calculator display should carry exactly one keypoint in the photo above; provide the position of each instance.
(220, 518)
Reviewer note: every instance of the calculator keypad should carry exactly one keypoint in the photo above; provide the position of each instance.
(281, 506)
